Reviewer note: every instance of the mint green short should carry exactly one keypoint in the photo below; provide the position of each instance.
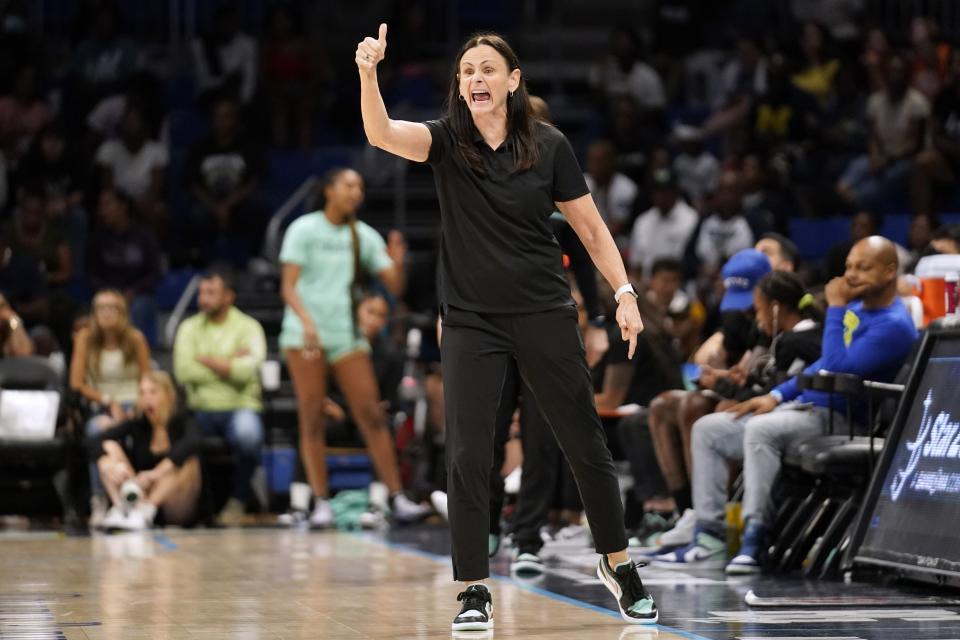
(336, 345)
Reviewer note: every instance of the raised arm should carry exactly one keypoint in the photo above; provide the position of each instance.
(410, 140)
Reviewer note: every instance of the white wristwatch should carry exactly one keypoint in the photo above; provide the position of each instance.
(627, 288)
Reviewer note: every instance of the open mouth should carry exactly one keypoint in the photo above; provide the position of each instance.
(480, 96)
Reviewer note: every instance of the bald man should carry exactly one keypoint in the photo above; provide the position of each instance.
(868, 332)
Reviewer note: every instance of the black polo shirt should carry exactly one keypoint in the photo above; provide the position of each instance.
(498, 253)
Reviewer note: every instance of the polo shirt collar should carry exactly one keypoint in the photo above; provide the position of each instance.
(478, 140)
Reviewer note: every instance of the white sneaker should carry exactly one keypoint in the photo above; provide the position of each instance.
(113, 519)
(135, 519)
(682, 532)
(293, 518)
(373, 518)
(99, 506)
(322, 516)
(572, 534)
(404, 510)
(439, 501)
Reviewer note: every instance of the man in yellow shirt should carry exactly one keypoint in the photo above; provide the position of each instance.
(216, 357)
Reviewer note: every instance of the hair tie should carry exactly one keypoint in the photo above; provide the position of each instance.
(806, 301)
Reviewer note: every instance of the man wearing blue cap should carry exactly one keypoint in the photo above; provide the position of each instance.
(867, 332)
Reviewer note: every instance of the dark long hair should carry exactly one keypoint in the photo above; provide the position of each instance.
(520, 121)
(326, 180)
(787, 290)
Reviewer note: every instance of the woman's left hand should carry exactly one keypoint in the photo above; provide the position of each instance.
(628, 318)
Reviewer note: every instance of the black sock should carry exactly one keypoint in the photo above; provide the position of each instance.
(683, 499)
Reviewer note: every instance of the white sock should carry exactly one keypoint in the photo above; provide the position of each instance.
(300, 496)
(623, 564)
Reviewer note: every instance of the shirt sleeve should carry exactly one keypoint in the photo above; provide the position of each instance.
(440, 141)
(245, 369)
(117, 432)
(869, 354)
(189, 442)
(568, 182)
(186, 369)
(294, 247)
(373, 250)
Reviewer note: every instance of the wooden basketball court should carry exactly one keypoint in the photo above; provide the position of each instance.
(256, 584)
(259, 584)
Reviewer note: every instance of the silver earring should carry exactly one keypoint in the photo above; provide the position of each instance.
(461, 98)
(511, 94)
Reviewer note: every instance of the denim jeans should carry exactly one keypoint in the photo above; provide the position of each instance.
(243, 431)
(760, 441)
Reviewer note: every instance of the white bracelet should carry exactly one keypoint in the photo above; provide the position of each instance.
(627, 288)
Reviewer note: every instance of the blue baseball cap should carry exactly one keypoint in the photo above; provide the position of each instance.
(740, 275)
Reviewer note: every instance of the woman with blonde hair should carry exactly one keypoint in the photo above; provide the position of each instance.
(109, 357)
(148, 464)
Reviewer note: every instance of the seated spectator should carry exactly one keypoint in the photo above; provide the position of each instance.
(919, 236)
(52, 165)
(664, 230)
(937, 167)
(741, 81)
(373, 316)
(143, 89)
(102, 60)
(726, 231)
(874, 57)
(216, 357)
(672, 413)
(781, 251)
(290, 73)
(697, 170)
(613, 192)
(23, 284)
(125, 256)
(946, 239)
(819, 68)
(109, 359)
(867, 332)
(683, 316)
(136, 165)
(222, 173)
(898, 119)
(23, 114)
(154, 456)
(623, 73)
(225, 60)
(30, 232)
(15, 342)
(783, 115)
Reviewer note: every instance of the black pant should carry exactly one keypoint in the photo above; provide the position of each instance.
(636, 443)
(476, 351)
(547, 480)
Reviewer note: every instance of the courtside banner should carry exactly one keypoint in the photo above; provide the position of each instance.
(915, 497)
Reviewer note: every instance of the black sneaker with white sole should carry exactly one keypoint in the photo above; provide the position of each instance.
(526, 561)
(636, 605)
(477, 611)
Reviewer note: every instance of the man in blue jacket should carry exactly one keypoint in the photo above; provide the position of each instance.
(867, 332)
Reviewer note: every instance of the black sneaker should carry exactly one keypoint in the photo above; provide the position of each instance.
(477, 611)
(526, 561)
(636, 605)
